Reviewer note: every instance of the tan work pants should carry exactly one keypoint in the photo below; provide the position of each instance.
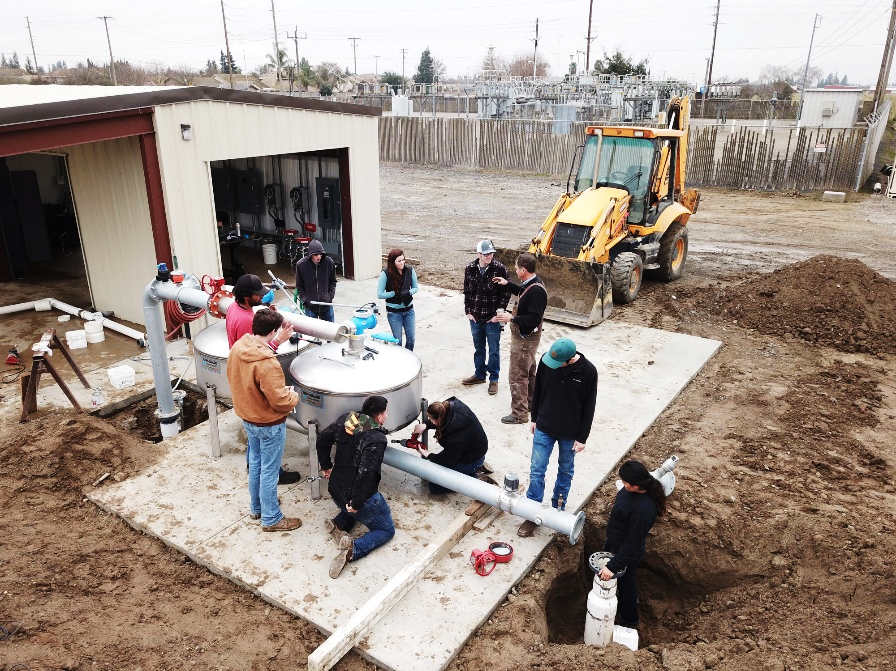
(522, 371)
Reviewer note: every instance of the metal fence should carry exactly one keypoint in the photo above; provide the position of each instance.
(792, 159)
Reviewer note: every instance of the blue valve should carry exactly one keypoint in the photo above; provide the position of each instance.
(363, 322)
(268, 298)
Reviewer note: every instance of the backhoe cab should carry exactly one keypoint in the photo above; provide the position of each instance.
(626, 213)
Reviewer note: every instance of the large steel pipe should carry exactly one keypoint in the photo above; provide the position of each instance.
(510, 502)
(161, 375)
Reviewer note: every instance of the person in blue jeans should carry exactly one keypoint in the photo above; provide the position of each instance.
(398, 284)
(262, 400)
(562, 410)
(354, 477)
(461, 436)
(483, 297)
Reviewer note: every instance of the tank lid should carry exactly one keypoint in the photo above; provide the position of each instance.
(212, 341)
(325, 369)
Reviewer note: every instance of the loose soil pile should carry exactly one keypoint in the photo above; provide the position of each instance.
(831, 301)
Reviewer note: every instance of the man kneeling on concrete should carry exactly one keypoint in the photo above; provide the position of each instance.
(262, 400)
(354, 477)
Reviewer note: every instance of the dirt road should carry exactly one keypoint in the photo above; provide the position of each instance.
(777, 549)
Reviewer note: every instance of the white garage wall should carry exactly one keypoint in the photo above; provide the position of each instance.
(223, 131)
(109, 191)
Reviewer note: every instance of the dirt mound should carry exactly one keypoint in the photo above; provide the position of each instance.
(67, 451)
(840, 303)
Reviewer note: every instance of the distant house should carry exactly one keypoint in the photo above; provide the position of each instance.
(831, 107)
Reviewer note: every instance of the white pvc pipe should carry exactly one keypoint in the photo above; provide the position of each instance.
(18, 307)
(107, 323)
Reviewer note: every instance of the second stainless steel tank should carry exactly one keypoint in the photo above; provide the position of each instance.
(330, 381)
(211, 352)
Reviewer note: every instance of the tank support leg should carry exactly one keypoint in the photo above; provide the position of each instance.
(312, 457)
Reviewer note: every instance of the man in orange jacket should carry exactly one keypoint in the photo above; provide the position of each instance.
(262, 400)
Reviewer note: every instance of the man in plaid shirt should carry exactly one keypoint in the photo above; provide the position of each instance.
(482, 300)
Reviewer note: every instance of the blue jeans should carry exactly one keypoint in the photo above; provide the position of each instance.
(264, 452)
(376, 516)
(542, 446)
(397, 320)
(326, 312)
(486, 333)
(468, 468)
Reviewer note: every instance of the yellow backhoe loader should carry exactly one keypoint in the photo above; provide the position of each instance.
(626, 213)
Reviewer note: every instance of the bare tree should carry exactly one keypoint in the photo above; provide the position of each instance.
(521, 66)
(183, 74)
(492, 63)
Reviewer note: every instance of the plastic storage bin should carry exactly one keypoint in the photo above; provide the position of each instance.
(122, 376)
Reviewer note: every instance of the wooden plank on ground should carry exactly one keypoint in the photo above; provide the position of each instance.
(358, 625)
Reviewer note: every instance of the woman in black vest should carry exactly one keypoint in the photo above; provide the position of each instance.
(398, 284)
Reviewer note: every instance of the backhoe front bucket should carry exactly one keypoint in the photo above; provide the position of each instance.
(579, 293)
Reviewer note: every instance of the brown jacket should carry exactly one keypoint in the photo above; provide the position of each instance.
(260, 394)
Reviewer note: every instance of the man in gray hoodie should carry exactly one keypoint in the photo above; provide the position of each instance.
(316, 282)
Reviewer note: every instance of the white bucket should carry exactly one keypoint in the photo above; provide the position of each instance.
(269, 252)
(95, 326)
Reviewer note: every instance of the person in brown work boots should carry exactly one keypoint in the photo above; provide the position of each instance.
(525, 334)
(483, 298)
(262, 400)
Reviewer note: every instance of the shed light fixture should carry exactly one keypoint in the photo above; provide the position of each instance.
(186, 132)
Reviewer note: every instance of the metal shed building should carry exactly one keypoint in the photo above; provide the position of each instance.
(146, 173)
(831, 108)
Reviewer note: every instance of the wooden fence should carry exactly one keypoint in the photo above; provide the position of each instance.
(809, 159)
(804, 159)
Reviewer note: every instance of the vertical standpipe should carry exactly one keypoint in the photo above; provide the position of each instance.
(601, 605)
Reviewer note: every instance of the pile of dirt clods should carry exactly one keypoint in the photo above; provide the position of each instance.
(831, 301)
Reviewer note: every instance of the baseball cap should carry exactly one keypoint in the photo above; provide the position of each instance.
(485, 247)
(561, 351)
(247, 285)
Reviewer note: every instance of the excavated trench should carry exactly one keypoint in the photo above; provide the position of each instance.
(661, 590)
(136, 414)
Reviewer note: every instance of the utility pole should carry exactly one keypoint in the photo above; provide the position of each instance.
(588, 47)
(105, 20)
(712, 57)
(535, 57)
(32, 44)
(354, 41)
(276, 46)
(403, 54)
(815, 23)
(376, 64)
(883, 78)
(295, 38)
(227, 44)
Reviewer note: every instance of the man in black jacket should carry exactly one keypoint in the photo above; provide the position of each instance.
(354, 476)
(316, 281)
(525, 335)
(562, 412)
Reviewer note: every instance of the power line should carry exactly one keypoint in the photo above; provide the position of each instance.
(354, 41)
(105, 20)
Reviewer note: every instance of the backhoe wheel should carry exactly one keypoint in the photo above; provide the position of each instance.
(625, 277)
(673, 252)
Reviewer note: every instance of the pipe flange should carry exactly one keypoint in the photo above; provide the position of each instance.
(214, 300)
(598, 560)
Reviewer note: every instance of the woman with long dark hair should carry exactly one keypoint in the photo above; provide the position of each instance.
(638, 504)
(397, 285)
(459, 433)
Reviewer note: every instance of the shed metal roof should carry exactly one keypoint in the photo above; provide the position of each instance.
(23, 103)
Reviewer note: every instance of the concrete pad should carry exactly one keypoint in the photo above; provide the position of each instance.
(200, 505)
(833, 197)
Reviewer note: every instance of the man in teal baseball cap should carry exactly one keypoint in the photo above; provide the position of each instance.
(562, 411)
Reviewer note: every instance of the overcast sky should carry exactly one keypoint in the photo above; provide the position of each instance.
(676, 35)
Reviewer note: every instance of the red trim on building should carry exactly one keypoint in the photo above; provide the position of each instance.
(45, 135)
(348, 237)
(152, 173)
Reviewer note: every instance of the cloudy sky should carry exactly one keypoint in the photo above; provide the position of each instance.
(675, 35)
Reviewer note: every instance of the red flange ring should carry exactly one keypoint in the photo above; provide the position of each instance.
(213, 302)
(503, 551)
